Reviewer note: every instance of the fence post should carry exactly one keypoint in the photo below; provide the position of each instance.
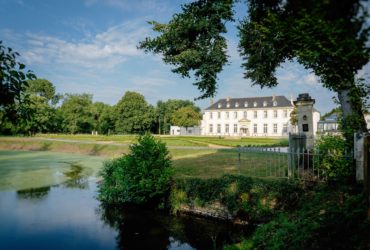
(239, 160)
(367, 170)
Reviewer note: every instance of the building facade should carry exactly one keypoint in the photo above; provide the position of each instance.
(254, 116)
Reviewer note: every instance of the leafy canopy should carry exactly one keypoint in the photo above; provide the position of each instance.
(192, 42)
(186, 117)
(133, 114)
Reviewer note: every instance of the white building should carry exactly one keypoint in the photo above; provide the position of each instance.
(254, 116)
(176, 130)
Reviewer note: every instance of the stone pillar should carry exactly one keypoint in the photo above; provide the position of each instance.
(304, 105)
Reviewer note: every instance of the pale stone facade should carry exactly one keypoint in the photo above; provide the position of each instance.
(255, 116)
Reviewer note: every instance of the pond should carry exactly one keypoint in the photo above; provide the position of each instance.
(68, 216)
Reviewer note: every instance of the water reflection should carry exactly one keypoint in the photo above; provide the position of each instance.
(33, 193)
(76, 178)
(141, 229)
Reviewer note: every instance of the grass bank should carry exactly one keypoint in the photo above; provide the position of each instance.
(287, 215)
(186, 141)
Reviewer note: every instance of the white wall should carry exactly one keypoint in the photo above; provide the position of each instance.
(260, 121)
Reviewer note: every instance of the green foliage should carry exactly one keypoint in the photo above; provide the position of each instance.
(333, 158)
(186, 117)
(13, 79)
(246, 198)
(139, 177)
(325, 219)
(76, 111)
(192, 42)
(133, 114)
(103, 116)
(15, 113)
(166, 109)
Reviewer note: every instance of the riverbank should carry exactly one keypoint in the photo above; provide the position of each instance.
(288, 215)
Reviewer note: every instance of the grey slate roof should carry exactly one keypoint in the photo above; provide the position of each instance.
(281, 101)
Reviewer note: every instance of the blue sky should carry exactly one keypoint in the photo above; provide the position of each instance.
(89, 46)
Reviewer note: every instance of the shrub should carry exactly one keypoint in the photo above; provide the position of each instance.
(334, 160)
(325, 220)
(144, 175)
(246, 198)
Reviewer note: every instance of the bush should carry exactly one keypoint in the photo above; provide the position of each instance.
(334, 160)
(142, 176)
(325, 220)
(245, 198)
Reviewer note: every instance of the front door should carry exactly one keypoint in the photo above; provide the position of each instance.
(244, 131)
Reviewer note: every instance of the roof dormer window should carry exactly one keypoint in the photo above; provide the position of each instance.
(255, 104)
(264, 103)
(274, 103)
(219, 105)
(246, 104)
(228, 105)
(236, 104)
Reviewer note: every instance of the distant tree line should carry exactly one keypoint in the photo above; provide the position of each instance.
(49, 112)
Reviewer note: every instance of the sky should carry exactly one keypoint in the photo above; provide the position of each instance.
(89, 46)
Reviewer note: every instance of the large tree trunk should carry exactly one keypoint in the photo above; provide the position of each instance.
(353, 118)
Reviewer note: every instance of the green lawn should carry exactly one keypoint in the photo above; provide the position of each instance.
(186, 141)
(223, 161)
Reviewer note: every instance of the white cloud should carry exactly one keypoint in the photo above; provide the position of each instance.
(105, 50)
(129, 5)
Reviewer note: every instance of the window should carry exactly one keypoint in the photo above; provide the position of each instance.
(235, 115)
(285, 128)
(246, 104)
(275, 128)
(265, 128)
(275, 114)
(255, 114)
(227, 128)
(219, 115)
(211, 128)
(274, 103)
(285, 113)
(264, 103)
(255, 128)
(210, 115)
(219, 105)
(219, 128)
(265, 114)
(235, 128)
(245, 114)
(228, 105)
(227, 115)
(255, 104)
(236, 104)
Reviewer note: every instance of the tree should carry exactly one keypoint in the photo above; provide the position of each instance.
(186, 117)
(103, 118)
(43, 100)
(165, 111)
(77, 114)
(192, 41)
(328, 37)
(14, 103)
(133, 114)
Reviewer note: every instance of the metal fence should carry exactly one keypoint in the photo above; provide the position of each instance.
(296, 163)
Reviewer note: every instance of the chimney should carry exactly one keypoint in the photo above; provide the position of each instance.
(211, 101)
(273, 97)
(228, 99)
(291, 100)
